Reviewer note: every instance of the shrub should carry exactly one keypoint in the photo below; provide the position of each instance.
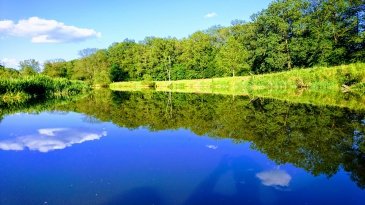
(148, 81)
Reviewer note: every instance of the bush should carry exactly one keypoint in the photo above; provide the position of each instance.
(148, 81)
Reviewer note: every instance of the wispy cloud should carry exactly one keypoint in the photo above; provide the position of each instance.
(210, 15)
(46, 31)
(274, 178)
(50, 139)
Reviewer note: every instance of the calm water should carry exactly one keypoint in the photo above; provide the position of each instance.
(163, 148)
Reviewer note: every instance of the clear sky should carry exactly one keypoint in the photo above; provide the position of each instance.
(50, 29)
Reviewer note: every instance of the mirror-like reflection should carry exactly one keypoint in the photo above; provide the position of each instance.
(275, 178)
(327, 142)
(49, 139)
(319, 139)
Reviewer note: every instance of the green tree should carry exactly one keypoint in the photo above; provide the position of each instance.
(29, 67)
(81, 70)
(337, 31)
(116, 74)
(55, 68)
(233, 57)
(198, 54)
(276, 28)
(100, 65)
(126, 56)
(163, 55)
(8, 72)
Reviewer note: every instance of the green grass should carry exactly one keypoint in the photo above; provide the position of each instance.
(339, 86)
(22, 89)
(316, 79)
(320, 78)
(216, 85)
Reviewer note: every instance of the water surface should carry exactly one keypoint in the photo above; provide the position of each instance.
(168, 148)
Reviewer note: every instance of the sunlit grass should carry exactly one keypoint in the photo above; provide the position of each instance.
(342, 86)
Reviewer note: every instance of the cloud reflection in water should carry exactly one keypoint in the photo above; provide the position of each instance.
(274, 178)
(50, 139)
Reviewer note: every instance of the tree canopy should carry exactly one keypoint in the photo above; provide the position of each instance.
(288, 34)
(29, 67)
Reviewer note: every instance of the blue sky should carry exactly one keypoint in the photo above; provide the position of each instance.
(52, 29)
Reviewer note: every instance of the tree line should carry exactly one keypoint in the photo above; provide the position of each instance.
(29, 67)
(288, 34)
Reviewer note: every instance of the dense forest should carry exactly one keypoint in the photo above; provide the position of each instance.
(288, 34)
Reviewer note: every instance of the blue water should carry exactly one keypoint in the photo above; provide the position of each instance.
(70, 158)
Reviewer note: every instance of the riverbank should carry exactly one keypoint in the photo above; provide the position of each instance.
(341, 86)
(347, 78)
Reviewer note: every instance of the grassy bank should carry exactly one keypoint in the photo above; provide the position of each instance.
(341, 86)
(23, 89)
(350, 77)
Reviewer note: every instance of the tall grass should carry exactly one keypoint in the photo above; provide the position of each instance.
(39, 86)
(318, 78)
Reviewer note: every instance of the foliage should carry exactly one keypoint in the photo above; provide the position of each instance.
(55, 68)
(198, 56)
(233, 57)
(8, 72)
(40, 86)
(289, 34)
(148, 81)
(116, 74)
(29, 67)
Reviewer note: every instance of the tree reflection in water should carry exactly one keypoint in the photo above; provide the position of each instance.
(320, 140)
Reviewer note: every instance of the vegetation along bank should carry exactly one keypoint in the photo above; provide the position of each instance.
(25, 88)
(347, 78)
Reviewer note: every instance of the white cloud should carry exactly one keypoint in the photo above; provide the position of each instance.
(5, 25)
(10, 62)
(50, 131)
(50, 139)
(210, 15)
(274, 178)
(46, 31)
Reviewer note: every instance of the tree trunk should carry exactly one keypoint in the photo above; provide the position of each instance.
(168, 68)
(288, 54)
(169, 106)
